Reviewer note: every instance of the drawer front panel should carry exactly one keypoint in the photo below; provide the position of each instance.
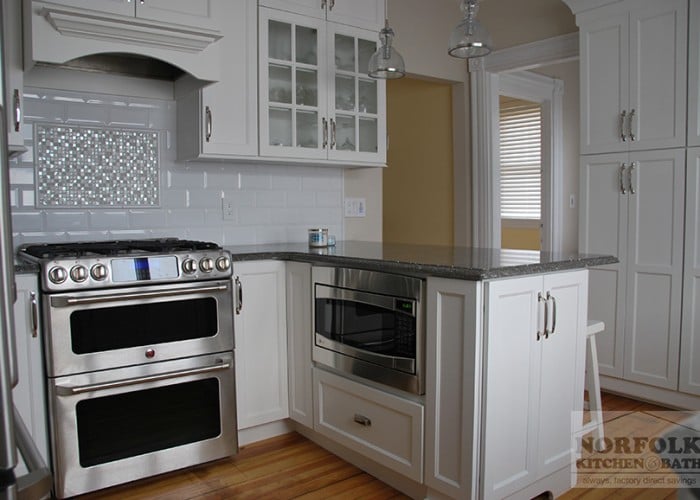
(381, 426)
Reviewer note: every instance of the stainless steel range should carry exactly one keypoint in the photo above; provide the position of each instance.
(139, 358)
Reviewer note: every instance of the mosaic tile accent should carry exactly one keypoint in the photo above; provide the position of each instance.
(96, 167)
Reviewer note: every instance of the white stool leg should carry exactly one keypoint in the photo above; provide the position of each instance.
(593, 386)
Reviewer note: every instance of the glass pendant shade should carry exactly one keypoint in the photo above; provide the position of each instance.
(386, 62)
(469, 38)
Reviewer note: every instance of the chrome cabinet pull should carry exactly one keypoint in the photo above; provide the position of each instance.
(331, 4)
(323, 4)
(332, 133)
(17, 106)
(623, 190)
(34, 313)
(629, 178)
(623, 136)
(209, 123)
(68, 390)
(540, 299)
(554, 312)
(362, 420)
(547, 331)
(630, 126)
(239, 295)
(325, 132)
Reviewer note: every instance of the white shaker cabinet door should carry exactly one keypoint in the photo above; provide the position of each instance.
(299, 334)
(197, 13)
(603, 231)
(30, 393)
(694, 74)
(654, 267)
(261, 342)
(368, 14)
(690, 341)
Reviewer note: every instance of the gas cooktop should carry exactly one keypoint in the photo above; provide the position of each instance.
(115, 247)
(120, 263)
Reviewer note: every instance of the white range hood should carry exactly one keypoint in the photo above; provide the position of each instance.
(64, 33)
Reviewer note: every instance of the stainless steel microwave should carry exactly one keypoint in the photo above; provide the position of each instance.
(370, 324)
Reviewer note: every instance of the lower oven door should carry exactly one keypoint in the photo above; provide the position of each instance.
(101, 329)
(119, 425)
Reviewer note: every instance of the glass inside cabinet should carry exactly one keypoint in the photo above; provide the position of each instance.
(356, 96)
(293, 88)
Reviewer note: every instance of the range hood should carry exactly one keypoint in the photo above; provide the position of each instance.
(89, 40)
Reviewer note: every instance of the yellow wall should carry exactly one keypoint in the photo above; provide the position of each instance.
(418, 182)
(520, 238)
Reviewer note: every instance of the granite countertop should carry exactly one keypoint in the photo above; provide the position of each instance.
(424, 260)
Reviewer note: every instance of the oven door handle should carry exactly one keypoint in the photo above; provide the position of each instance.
(72, 300)
(70, 390)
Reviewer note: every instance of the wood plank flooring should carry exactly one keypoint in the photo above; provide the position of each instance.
(292, 467)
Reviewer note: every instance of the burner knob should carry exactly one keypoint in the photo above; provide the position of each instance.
(223, 263)
(98, 272)
(206, 265)
(189, 266)
(78, 273)
(57, 275)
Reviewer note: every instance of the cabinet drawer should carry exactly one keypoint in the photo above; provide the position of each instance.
(381, 426)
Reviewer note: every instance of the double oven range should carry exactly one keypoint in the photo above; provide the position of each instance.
(139, 358)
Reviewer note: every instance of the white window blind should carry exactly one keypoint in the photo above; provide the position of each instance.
(521, 159)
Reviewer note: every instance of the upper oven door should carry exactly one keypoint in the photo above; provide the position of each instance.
(377, 328)
(101, 329)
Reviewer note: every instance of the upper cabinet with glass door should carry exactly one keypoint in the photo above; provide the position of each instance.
(316, 100)
(367, 14)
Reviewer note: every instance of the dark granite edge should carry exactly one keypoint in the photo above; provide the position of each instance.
(424, 270)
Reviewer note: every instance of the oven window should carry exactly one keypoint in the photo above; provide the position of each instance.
(367, 327)
(126, 425)
(119, 327)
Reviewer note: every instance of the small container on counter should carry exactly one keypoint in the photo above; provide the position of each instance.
(318, 238)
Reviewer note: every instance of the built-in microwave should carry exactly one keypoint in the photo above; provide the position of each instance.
(370, 324)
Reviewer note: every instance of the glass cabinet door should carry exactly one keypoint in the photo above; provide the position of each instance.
(292, 95)
(357, 126)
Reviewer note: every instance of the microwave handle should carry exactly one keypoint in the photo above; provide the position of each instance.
(383, 301)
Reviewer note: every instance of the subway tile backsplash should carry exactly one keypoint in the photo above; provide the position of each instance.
(271, 204)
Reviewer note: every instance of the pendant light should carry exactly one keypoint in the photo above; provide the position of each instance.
(386, 63)
(469, 38)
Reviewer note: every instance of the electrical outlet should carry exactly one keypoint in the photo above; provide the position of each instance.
(355, 207)
(227, 210)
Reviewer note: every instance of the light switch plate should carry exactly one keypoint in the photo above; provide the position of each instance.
(355, 207)
(227, 209)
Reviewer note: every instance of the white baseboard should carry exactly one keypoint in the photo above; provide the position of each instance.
(664, 397)
(264, 431)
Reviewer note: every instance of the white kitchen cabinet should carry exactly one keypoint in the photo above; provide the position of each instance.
(690, 338)
(382, 426)
(453, 383)
(14, 74)
(367, 14)
(199, 13)
(30, 393)
(260, 342)
(632, 206)
(633, 60)
(299, 334)
(221, 119)
(694, 74)
(533, 366)
(316, 100)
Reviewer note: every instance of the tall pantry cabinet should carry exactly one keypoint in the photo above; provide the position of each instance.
(639, 110)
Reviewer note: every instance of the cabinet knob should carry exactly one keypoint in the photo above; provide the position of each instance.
(362, 420)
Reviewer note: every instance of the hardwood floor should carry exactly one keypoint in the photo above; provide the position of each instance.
(291, 466)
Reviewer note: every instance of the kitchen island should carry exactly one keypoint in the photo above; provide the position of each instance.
(504, 366)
